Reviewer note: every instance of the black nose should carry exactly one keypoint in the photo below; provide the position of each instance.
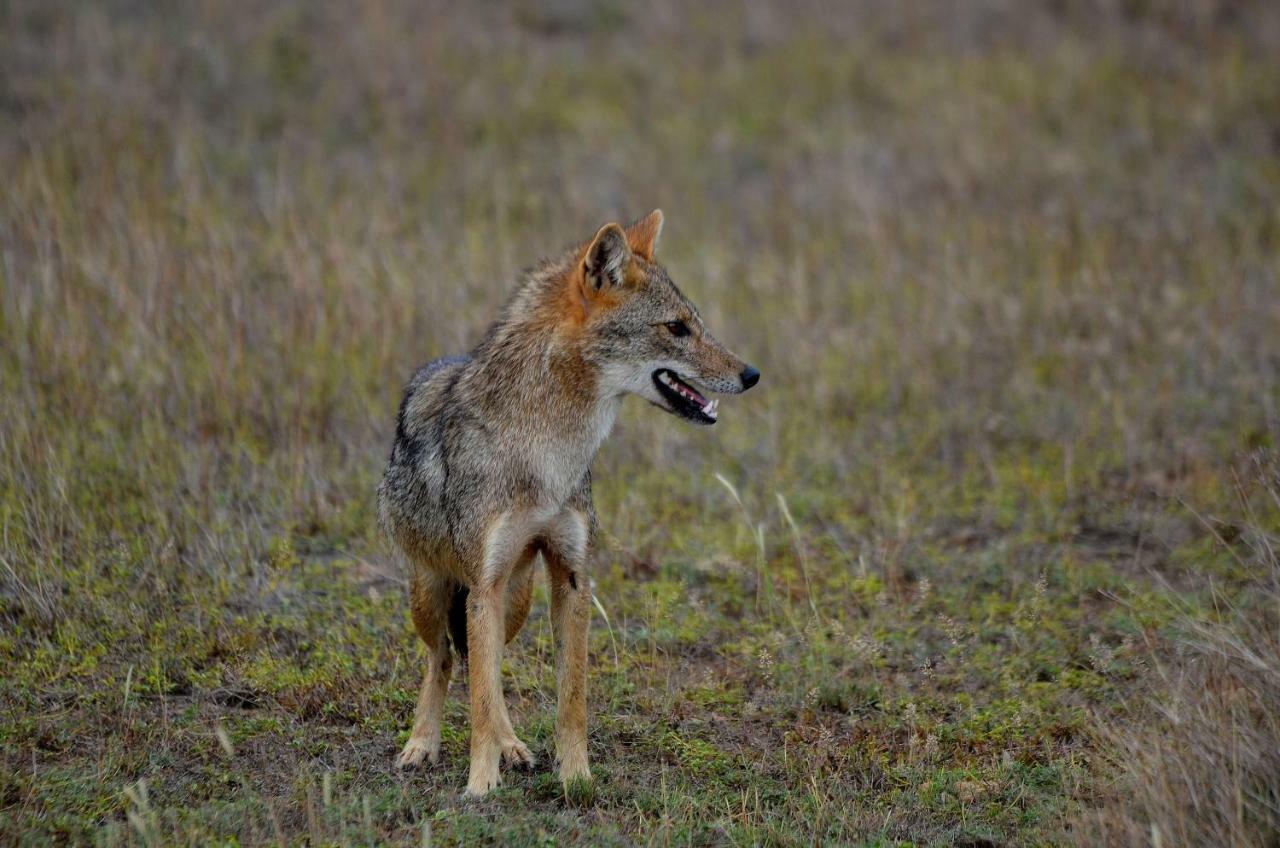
(750, 376)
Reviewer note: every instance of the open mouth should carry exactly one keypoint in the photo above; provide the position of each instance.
(685, 400)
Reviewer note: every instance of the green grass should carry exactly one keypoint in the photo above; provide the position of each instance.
(1012, 286)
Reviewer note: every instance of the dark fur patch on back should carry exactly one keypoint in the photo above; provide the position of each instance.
(405, 448)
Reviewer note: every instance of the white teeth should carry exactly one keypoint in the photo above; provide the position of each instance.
(709, 408)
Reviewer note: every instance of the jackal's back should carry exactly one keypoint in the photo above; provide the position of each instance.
(410, 506)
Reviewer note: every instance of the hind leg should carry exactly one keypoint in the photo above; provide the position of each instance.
(430, 596)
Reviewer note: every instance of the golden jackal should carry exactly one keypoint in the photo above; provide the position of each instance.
(491, 469)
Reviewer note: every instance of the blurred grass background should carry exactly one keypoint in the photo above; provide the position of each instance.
(1009, 269)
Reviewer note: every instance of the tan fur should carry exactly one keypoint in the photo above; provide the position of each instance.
(643, 235)
(489, 473)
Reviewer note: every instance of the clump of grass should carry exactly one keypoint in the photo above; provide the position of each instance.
(580, 792)
(1204, 769)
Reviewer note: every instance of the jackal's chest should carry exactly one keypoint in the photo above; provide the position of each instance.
(560, 459)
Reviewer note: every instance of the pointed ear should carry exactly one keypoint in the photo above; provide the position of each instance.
(643, 235)
(605, 264)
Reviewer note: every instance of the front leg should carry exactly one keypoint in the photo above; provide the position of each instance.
(506, 552)
(570, 619)
(484, 660)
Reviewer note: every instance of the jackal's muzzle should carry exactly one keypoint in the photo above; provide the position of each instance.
(687, 402)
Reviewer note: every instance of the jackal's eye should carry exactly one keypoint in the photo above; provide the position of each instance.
(679, 329)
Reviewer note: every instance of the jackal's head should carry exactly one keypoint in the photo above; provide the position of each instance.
(646, 337)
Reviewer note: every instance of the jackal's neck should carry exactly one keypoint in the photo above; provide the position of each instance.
(532, 376)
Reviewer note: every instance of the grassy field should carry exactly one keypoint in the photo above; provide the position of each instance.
(989, 557)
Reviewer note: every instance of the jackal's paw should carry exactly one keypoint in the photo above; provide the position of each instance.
(414, 752)
(516, 753)
(573, 768)
(482, 780)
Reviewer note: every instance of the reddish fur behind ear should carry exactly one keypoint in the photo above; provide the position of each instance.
(588, 290)
(581, 299)
(643, 235)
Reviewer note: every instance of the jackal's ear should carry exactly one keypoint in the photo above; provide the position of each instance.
(606, 261)
(643, 235)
